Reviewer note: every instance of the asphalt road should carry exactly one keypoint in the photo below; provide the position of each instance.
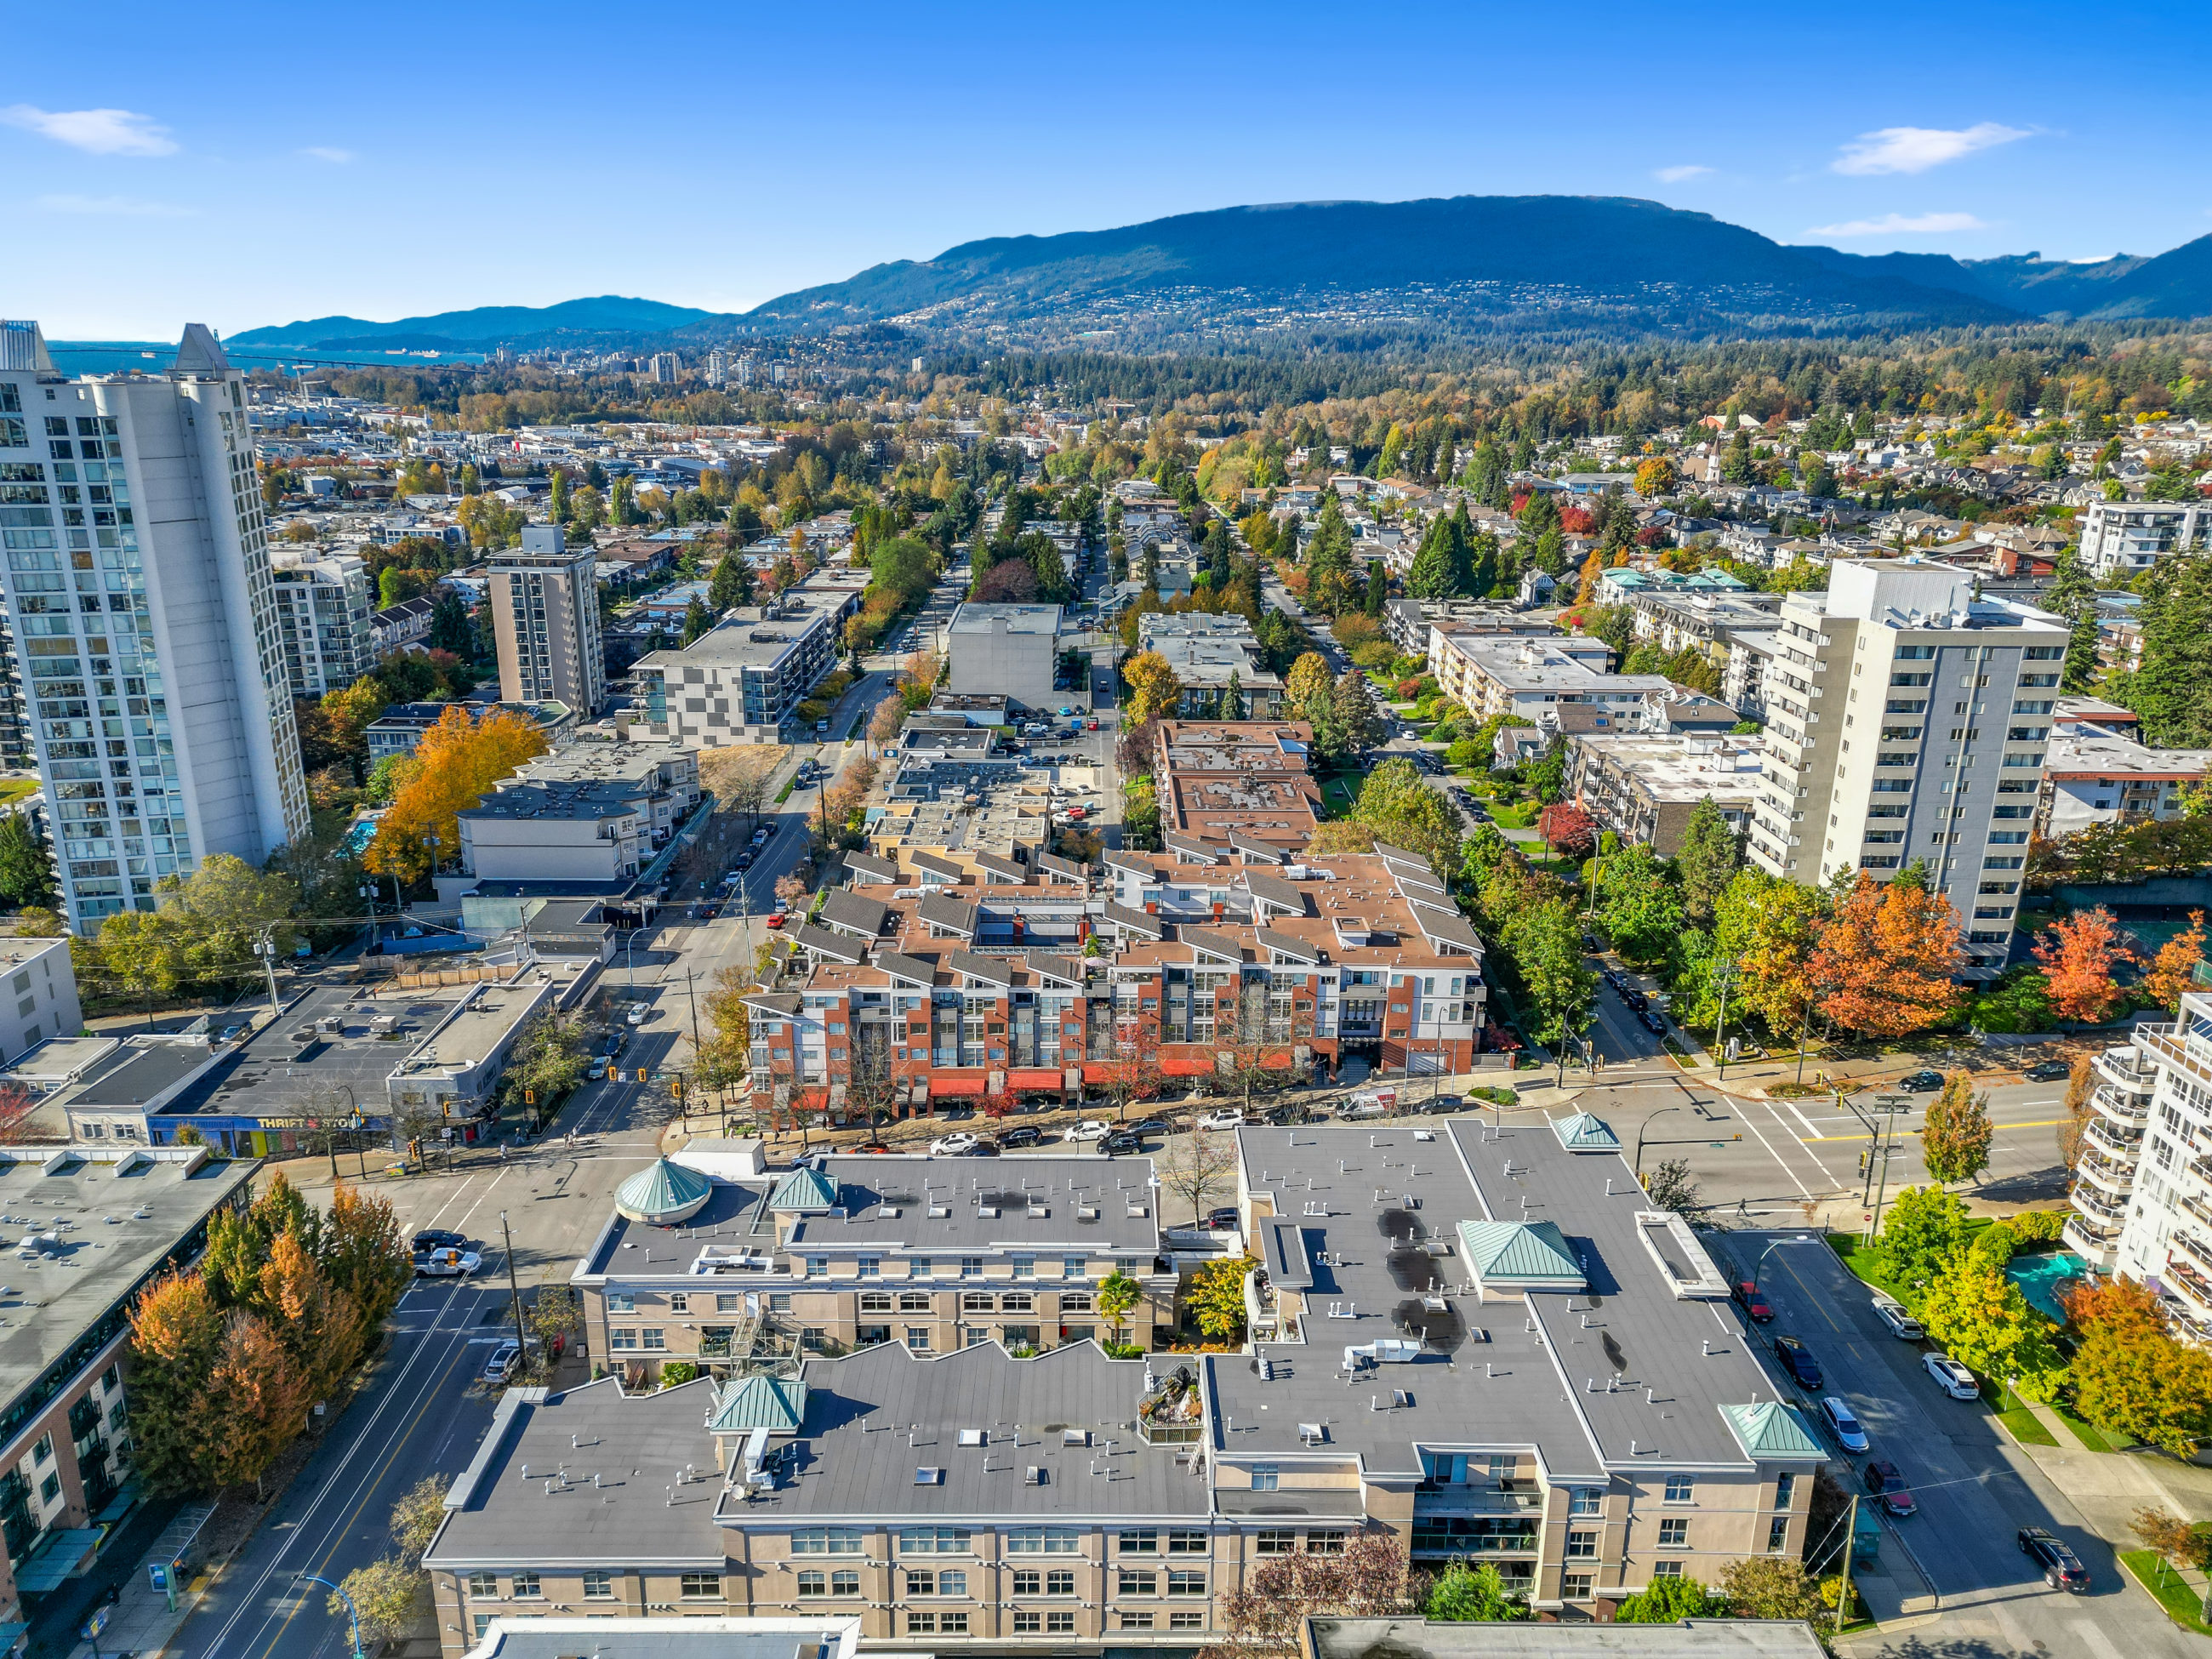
(1974, 1488)
(425, 1408)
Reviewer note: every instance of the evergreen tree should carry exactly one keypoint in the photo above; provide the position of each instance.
(1378, 589)
(1707, 861)
(2172, 691)
(697, 619)
(1484, 568)
(1231, 707)
(452, 628)
(733, 582)
(26, 875)
(560, 499)
(2073, 596)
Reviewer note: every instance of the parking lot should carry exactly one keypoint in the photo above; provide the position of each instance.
(1973, 1487)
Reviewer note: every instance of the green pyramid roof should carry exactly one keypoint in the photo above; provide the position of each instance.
(664, 1193)
(1532, 1253)
(1581, 1133)
(776, 1403)
(1771, 1429)
(805, 1189)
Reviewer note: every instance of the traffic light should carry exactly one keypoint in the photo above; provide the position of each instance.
(530, 1097)
(644, 1072)
(679, 1088)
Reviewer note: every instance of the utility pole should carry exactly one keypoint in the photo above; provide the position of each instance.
(1850, 1547)
(1725, 977)
(266, 948)
(513, 1288)
(693, 999)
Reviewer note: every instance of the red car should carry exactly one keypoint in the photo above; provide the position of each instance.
(1754, 1302)
(777, 919)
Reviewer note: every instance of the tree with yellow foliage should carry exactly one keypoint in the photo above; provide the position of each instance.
(1154, 690)
(460, 760)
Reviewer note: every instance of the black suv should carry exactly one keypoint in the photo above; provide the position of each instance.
(1798, 1359)
(1122, 1141)
(2061, 1568)
(437, 1238)
(1014, 1139)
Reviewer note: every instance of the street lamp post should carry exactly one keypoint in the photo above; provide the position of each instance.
(1724, 976)
(1640, 1130)
(1773, 1244)
(353, 1613)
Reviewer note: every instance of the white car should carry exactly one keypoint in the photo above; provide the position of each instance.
(1228, 1118)
(1954, 1379)
(1849, 1435)
(1902, 1325)
(446, 1264)
(954, 1145)
(1092, 1128)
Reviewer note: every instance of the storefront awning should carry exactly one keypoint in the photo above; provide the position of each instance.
(1035, 1080)
(1187, 1065)
(956, 1085)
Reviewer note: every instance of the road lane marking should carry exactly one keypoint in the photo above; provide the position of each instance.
(1995, 1128)
(1802, 1188)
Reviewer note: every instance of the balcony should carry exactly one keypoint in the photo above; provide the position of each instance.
(2098, 1207)
(2093, 1241)
(2194, 1287)
(2121, 1105)
(2195, 1248)
(2120, 1146)
(2125, 1069)
(2106, 1175)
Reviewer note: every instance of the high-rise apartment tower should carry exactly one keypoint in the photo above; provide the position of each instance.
(140, 596)
(545, 623)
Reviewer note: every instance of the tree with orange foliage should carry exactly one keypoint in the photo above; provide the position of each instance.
(1884, 958)
(176, 1339)
(2130, 1375)
(262, 1392)
(2174, 969)
(459, 762)
(2077, 954)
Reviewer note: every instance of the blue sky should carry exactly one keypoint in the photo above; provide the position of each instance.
(242, 164)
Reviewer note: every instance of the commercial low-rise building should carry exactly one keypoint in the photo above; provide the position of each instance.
(1523, 676)
(1008, 650)
(742, 680)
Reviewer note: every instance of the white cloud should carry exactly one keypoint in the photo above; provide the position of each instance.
(1675, 175)
(324, 153)
(1899, 224)
(1915, 149)
(101, 132)
(114, 206)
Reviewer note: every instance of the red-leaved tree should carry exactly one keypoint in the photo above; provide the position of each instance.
(1885, 959)
(1567, 829)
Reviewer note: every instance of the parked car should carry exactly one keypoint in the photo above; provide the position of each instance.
(763, 835)
(1753, 1300)
(1282, 1117)
(437, 1238)
(1914, 1082)
(1120, 1142)
(1092, 1128)
(1228, 1118)
(1223, 1220)
(1151, 1125)
(446, 1264)
(1953, 1378)
(1654, 1022)
(2045, 1071)
(504, 1359)
(982, 1149)
(744, 860)
(1902, 1325)
(778, 919)
(1849, 1435)
(1013, 1139)
(1884, 1480)
(1798, 1359)
(2061, 1568)
(954, 1145)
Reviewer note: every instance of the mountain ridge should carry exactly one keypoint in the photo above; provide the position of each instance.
(606, 313)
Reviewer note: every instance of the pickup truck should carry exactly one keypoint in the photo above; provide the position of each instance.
(446, 1264)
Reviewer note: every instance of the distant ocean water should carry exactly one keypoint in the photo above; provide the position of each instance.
(152, 357)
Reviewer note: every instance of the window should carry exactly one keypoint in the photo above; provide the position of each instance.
(1136, 1621)
(922, 1582)
(1582, 1545)
(933, 1541)
(917, 1338)
(525, 1586)
(1059, 1581)
(621, 1302)
(1185, 1622)
(975, 1302)
(700, 1586)
(913, 1302)
(652, 1338)
(813, 1582)
(1275, 1540)
(1028, 1623)
(1575, 1586)
(483, 1584)
(1266, 1477)
(971, 1266)
(481, 1621)
(728, 1304)
(1016, 1302)
(1674, 1533)
(826, 1540)
(44, 1450)
(1025, 1266)
(1044, 1540)
(1680, 1489)
(1588, 1500)
(1785, 1486)
(818, 1267)
(1028, 1581)
(1666, 1568)
(1055, 1624)
(1072, 1267)
(1188, 1543)
(1141, 1540)
(871, 1267)
(50, 1488)
(1185, 1583)
(875, 1302)
(678, 1302)
(1778, 1536)
(1138, 1580)
(1325, 1543)
(600, 1586)
(922, 1623)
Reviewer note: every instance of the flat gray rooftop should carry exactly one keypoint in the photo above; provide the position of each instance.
(115, 1231)
(734, 1218)
(276, 1070)
(513, 1504)
(1694, 1638)
(1382, 1207)
(1064, 1188)
(853, 1465)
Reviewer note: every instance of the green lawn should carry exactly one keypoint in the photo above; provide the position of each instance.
(2094, 1438)
(14, 789)
(2180, 1601)
(1337, 794)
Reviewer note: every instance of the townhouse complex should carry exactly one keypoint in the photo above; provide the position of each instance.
(1479, 1340)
